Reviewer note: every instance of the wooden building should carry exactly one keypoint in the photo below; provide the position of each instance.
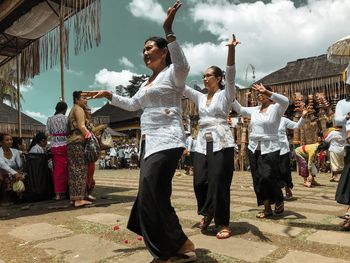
(8, 123)
(127, 122)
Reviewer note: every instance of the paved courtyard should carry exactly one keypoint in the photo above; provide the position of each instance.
(55, 232)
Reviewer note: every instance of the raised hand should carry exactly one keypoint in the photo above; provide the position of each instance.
(259, 88)
(168, 22)
(234, 42)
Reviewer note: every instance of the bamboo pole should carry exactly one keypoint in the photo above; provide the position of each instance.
(62, 55)
(18, 93)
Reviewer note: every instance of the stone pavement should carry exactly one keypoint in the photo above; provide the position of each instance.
(308, 231)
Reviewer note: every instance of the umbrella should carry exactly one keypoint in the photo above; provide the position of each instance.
(339, 52)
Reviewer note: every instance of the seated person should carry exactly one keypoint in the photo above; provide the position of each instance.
(10, 179)
(38, 144)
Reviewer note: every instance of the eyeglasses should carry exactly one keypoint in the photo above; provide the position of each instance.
(207, 76)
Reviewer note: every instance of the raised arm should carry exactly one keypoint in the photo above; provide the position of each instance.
(181, 67)
(192, 94)
(230, 88)
(244, 111)
(294, 125)
(125, 103)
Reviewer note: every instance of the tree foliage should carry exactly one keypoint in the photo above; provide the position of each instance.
(131, 89)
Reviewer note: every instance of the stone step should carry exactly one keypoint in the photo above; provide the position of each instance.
(82, 248)
(238, 248)
(39, 232)
(300, 256)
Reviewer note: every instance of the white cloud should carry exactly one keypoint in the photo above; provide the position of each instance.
(110, 79)
(271, 34)
(125, 62)
(147, 9)
(36, 115)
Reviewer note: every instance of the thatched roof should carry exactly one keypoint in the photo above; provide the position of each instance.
(116, 114)
(306, 76)
(30, 28)
(304, 69)
(9, 120)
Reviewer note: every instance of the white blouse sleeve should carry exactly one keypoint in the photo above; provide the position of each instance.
(125, 103)
(282, 102)
(5, 167)
(230, 88)
(192, 94)
(245, 111)
(294, 125)
(180, 65)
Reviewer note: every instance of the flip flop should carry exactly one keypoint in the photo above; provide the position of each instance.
(184, 257)
(346, 216)
(264, 214)
(227, 233)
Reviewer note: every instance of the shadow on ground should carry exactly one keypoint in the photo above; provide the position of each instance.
(102, 194)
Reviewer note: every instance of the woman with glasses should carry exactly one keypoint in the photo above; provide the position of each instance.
(213, 159)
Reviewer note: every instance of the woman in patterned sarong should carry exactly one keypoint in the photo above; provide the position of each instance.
(77, 167)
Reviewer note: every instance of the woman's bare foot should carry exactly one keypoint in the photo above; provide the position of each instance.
(80, 203)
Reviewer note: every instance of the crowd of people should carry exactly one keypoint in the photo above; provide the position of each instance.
(120, 156)
(163, 142)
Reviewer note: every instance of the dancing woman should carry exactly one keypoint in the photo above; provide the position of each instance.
(264, 147)
(284, 163)
(152, 215)
(213, 159)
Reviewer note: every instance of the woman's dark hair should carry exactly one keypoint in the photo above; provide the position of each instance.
(76, 96)
(161, 43)
(40, 136)
(323, 146)
(61, 107)
(219, 73)
(17, 141)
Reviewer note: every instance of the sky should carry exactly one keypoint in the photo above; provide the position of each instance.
(272, 33)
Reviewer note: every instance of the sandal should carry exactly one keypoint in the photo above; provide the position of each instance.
(279, 208)
(184, 257)
(205, 222)
(224, 232)
(346, 215)
(264, 214)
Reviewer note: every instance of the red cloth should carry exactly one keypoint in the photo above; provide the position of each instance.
(90, 182)
(60, 168)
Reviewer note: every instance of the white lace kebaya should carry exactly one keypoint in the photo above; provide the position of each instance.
(213, 118)
(282, 135)
(161, 120)
(264, 125)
